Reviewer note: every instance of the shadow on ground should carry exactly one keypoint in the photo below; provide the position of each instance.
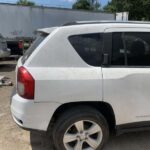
(40, 141)
(130, 141)
(7, 67)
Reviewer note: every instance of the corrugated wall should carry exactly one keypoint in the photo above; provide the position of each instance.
(18, 21)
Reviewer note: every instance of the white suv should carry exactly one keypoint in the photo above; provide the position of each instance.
(83, 81)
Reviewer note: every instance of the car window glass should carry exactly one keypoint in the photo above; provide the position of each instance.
(89, 47)
(118, 51)
(138, 48)
(33, 46)
(131, 48)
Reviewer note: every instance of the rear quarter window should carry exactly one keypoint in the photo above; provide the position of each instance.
(40, 38)
(89, 47)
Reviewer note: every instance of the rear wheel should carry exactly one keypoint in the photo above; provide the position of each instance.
(83, 128)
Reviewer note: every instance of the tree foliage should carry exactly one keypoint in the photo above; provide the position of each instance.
(87, 5)
(138, 9)
(25, 3)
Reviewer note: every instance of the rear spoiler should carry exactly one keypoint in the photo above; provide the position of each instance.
(46, 30)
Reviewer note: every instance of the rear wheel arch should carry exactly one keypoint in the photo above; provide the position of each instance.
(104, 108)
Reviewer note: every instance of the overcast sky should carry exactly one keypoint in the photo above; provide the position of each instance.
(54, 3)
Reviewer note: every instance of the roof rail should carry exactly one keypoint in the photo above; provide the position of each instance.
(102, 22)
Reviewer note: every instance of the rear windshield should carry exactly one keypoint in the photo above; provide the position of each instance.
(34, 45)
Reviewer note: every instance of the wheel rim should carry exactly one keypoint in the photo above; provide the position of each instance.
(83, 135)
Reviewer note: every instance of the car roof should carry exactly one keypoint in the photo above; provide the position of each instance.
(51, 29)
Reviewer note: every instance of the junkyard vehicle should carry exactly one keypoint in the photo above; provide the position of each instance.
(4, 51)
(83, 81)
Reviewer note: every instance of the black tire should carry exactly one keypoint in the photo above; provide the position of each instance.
(74, 115)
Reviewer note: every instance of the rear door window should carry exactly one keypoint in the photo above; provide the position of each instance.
(33, 46)
(118, 51)
(89, 47)
(138, 48)
(131, 49)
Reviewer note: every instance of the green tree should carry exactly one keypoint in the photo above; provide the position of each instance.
(25, 3)
(87, 5)
(138, 9)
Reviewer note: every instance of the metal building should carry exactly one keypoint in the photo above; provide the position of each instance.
(22, 21)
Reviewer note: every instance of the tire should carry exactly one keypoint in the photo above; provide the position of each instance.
(94, 135)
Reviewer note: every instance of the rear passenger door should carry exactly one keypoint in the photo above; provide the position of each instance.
(127, 74)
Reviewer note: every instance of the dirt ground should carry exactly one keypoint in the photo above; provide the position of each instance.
(14, 138)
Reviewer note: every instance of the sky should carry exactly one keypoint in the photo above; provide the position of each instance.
(54, 3)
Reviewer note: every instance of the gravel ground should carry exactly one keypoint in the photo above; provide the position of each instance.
(14, 138)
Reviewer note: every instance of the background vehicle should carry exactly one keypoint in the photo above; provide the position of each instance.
(4, 51)
(91, 84)
(25, 20)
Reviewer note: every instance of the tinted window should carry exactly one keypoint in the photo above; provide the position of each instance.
(89, 47)
(138, 49)
(118, 51)
(132, 49)
(34, 45)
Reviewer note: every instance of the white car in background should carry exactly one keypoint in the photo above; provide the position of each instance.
(4, 51)
(83, 81)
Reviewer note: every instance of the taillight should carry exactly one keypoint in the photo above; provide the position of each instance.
(25, 84)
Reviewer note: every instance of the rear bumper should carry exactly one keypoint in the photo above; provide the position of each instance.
(30, 115)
